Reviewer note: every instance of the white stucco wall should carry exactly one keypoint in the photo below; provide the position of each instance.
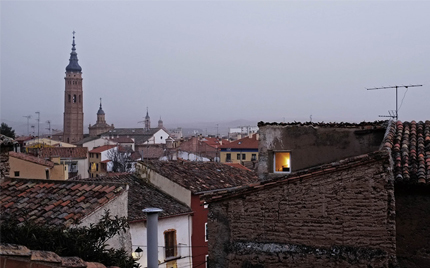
(158, 138)
(117, 207)
(182, 225)
(97, 143)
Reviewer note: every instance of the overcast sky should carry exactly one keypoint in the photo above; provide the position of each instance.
(216, 61)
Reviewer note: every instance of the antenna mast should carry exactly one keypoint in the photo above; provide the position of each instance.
(396, 115)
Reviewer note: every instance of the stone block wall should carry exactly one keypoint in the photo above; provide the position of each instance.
(345, 218)
(413, 224)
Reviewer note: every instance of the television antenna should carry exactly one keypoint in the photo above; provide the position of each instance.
(394, 114)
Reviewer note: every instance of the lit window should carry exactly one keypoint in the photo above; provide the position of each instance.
(206, 232)
(282, 162)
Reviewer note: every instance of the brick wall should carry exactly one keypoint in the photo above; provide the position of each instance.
(340, 219)
(413, 224)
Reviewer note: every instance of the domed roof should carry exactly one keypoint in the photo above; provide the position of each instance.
(100, 112)
(73, 61)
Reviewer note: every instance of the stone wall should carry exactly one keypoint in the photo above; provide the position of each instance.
(341, 218)
(311, 146)
(413, 224)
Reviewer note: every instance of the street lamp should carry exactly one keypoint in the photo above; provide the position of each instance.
(137, 254)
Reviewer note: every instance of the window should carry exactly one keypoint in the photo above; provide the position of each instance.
(16, 173)
(97, 167)
(170, 243)
(243, 156)
(206, 260)
(69, 97)
(228, 158)
(254, 157)
(282, 162)
(47, 174)
(206, 232)
(74, 98)
(238, 156)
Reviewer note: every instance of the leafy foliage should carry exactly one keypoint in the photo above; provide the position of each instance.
(121, 159)
(7, 131)
(88, 243)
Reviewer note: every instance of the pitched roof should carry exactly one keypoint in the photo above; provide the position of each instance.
(102, 148)
(214, 142)
(201, 176)
(310, 173)
(139, 135)
(152, 152)
(55, 202)
(122, 139)
(410, 148)
(86, 139)
(245, 143)
(33, 159)
(237, 165)
(143, 195)
(64, 152)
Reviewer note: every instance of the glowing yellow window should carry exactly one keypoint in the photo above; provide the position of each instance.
(282, 162)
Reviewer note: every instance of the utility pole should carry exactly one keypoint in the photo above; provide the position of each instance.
(38, 120)
(396, 115)
(28, 123)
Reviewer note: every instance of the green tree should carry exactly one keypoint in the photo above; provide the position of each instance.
(88, 242)
(7, 131)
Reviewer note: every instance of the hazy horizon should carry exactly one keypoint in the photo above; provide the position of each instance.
(216, 62)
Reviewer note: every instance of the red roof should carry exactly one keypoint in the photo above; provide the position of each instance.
(65, 152)
(245, 143)
(102, 148)
(237, 165)
(214, 142)
(201, 176)
(33, 159)
(55, 202)
(410, 149)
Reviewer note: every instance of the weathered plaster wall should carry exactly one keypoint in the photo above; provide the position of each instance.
(117, 207)
(413, 225)
(182, 225)
(341, 219)
(312, 146)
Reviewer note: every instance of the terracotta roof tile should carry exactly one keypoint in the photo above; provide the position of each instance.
(245, 143)
(64, 152)
(202, 176)
(409, 143)
(102, 148)
(33, 159)
(142, 195)
(42, 201)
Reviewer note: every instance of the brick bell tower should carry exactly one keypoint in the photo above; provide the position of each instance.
(73, 123)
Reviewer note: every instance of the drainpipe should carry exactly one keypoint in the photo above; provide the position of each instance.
(152, 236)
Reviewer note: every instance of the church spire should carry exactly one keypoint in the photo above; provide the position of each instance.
(73, 61)
(147, 121)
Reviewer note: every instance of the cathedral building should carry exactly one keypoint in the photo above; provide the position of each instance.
(73, 122)
(100, 126)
